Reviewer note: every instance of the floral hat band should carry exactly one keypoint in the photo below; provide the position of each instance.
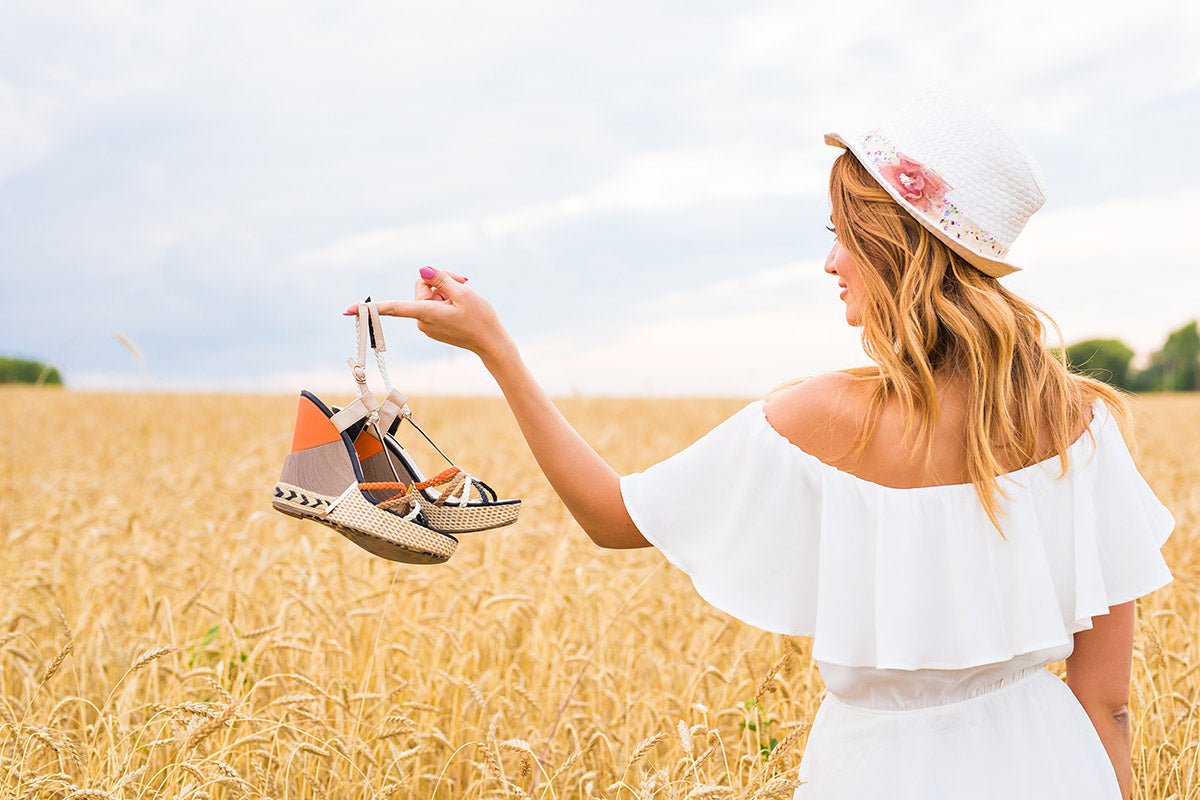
(950, 166)
(926, 191)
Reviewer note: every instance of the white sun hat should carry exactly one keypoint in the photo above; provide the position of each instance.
(953, 168)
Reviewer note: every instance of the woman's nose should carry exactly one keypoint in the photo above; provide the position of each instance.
(830, 259)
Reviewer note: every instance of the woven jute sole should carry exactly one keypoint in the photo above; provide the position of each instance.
(378, 532)
(457, 519)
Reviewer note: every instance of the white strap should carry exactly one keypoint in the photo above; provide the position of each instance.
(464, 496)
(369, 332)
(466, 491)
(412, 512)
(383, 373)
(361, 326)
(376, 327)
(360, 408)
(358, 364)
(369, 328)
(351, 488)
(380, 345)
(394, 405)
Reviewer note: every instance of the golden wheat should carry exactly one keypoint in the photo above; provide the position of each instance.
(208, 647)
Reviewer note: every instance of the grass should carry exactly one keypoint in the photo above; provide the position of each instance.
(164, 633)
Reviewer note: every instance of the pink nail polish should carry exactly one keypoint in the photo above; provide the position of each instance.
(427, 273)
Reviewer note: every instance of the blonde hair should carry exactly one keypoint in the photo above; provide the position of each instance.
(929, 310)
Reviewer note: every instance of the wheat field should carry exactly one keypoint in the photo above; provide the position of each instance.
(164, 633)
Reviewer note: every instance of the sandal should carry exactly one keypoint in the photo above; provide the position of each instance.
(451, 501)
(323, 481)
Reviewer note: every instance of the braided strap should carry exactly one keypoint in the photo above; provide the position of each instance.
(403, 503)
(452, 481)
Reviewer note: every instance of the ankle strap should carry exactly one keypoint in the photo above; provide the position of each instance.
(368, 333)
(394, 405)
(364, 406)
(369, 330)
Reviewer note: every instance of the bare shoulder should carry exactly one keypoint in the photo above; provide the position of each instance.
(819, 414)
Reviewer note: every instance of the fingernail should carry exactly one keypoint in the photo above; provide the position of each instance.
(348, 314)
(427, 273)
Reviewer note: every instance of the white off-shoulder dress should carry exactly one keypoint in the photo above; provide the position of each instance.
(930, 630)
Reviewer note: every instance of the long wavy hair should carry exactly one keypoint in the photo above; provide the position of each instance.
(928, 310)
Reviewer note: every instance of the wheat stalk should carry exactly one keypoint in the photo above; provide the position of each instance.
(644, 748)
(778, 787)
(567, 765)
(151, 655)
(767, 684)
(207, 728)
(785, 746)
(56, 664)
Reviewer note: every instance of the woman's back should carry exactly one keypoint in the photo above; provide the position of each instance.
(823, 415)
(931, 628)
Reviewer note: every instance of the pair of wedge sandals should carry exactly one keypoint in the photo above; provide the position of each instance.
(348, 471)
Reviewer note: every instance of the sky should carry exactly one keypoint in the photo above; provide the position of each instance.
(639, 188)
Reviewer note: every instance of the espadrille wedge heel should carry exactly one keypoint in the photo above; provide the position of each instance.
(452, 500)
(323, 481)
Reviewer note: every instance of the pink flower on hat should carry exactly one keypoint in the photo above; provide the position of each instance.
(916, 183)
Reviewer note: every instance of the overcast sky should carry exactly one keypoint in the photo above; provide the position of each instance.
(639, 188)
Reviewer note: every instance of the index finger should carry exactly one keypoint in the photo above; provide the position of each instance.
(422, 310)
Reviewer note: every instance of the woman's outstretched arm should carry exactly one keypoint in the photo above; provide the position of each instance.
(450, 312)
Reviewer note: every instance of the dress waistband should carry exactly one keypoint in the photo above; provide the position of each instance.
(980, 694)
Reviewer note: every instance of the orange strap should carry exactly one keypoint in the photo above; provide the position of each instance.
(383, 486)
(401, 493)
(445, 476)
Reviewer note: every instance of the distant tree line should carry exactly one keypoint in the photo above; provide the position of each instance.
(20, 370)
(1173, 368)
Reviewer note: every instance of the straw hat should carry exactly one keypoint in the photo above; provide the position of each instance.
(952, 167)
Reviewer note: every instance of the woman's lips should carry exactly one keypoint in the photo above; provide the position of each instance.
(842, 295)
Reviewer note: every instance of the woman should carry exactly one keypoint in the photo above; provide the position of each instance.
(863, 507)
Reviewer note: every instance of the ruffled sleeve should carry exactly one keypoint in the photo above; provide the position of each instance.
(1113, 499)
(740, 517)
(903, 578)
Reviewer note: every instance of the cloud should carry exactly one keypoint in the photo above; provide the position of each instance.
(224, 174)
(1113, 268)
(658, 183)
(736, 336)
(24, 131)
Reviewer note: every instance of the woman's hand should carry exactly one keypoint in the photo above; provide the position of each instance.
(447, 310)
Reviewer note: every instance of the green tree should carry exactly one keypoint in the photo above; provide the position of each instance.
(21, 370)
(1176, 367)
(1103, 359)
